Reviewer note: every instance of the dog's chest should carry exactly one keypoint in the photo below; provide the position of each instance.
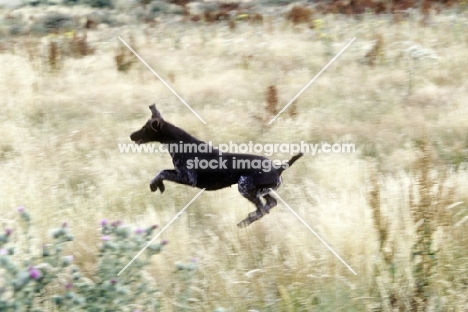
(179, 162)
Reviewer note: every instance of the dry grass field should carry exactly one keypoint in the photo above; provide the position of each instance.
(394, 210)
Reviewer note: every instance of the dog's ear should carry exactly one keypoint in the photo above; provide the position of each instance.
(155, 124)
(154, 112)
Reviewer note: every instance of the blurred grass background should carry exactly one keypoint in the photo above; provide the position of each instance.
(403, 105)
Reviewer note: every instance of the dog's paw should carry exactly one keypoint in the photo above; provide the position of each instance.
(161, 187)
(244, 223)
(155, 185)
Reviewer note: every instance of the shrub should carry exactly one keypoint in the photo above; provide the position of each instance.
(376, 53)
(70, 2)
(271, 98)
(54, 57)
(299, 14)
(100, 3)
(158, 7)
(124, 58)
(17, 30)
(53, 23)
(78, 45)
(28, 281)
(430, 199)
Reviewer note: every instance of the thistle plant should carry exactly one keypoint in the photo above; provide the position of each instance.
(107, 291)
(25, 281)
(185, 272)
(38, 281)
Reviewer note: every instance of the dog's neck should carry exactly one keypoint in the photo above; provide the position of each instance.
(173, 134)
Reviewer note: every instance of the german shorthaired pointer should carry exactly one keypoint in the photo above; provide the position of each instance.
(200, 165)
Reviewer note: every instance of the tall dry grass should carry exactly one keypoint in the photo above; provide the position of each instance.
(392, 212)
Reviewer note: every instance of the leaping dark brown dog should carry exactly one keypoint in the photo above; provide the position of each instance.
(200, 165)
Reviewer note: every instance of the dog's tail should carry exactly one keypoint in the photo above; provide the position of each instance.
(290, 162)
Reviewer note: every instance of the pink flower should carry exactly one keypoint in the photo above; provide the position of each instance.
(69, 258)
(34, 273)
(116, 223)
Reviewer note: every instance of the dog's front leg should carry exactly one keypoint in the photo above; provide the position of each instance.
(157, 182)
(174, 176)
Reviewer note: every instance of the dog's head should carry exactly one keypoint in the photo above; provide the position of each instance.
(151, 131)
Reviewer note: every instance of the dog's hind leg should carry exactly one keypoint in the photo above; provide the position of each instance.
(251, 217)
(270, 202)
(249, 188)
